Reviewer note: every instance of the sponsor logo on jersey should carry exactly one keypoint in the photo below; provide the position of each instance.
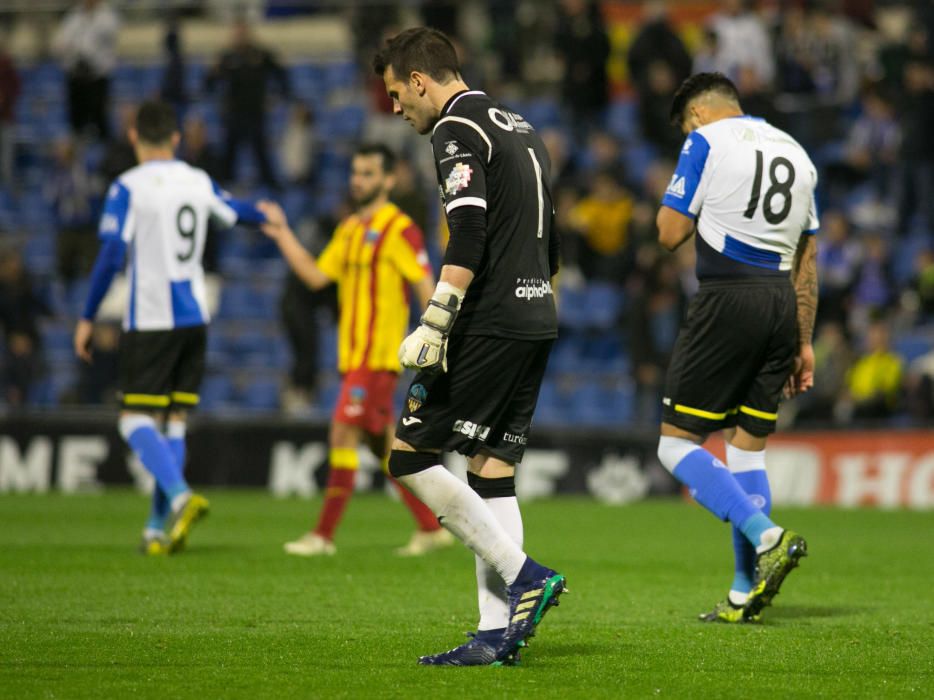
(372, 235)
(474, 431)
(515, 439)
(458, 179)
(110, 224)
(451, 148)
(676, 188)
(509, 121)
(687, 146)
(533, 288)
(416, 397)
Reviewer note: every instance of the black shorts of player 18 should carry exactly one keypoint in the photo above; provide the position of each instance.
(162, 369)
(484, 402)
(734, 353)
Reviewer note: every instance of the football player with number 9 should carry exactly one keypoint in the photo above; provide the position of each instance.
(155, 222)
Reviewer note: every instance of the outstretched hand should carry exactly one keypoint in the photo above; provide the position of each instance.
(802, 378)
(276, 222)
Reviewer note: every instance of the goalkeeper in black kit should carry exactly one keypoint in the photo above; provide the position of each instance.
(483, 343)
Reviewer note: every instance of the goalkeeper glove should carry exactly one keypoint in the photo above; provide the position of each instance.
(426, 346)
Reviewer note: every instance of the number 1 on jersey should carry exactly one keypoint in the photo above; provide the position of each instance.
(536, 166)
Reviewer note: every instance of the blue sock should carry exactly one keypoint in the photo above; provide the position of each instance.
(160, 502)
(756, 484)
(154, 452)
(713, 486)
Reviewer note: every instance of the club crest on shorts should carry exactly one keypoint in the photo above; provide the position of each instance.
(357, 394)
(416, 397)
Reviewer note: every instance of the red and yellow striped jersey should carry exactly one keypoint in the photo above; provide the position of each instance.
(373, 261)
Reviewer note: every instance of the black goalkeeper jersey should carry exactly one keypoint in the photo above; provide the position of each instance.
(489, 156)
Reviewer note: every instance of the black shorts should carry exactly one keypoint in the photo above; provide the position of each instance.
(484, 402)
(162, 369)
(734, 353)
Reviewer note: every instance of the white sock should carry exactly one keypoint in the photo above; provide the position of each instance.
(180, 500)
(491, 589)
(769, 539)
(467, 517)
(738, 460)
(738, 598)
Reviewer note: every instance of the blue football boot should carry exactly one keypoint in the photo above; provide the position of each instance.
(479, 651)
(533, 593)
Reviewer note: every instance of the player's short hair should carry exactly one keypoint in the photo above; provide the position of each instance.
(385, 153)
(421, 49)
(697, 85)
(155, 122)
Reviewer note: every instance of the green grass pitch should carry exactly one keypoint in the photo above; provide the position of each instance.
(83, 615)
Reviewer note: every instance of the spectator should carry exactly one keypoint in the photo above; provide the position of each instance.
(874, 285)
(9, 94)
(922, 286)
(601, 221)
(173, 79)
(874, 382)
(654, 320)
(245, 71)
(86, 43)
(871, 151)
(919, 389)
(916, 164)
(71, 192)
(658, 63)
(119, 155)
(744, 51)
(20, 309)
(297, 145)
(583, 45)
(409, 195)
(838, 259)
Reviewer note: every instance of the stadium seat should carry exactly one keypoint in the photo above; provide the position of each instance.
(914, 345)
(622, 119)
(261, 395)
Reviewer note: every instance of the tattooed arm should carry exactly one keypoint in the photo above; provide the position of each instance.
(804, 278)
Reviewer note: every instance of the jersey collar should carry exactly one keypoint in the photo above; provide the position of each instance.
(455, 97)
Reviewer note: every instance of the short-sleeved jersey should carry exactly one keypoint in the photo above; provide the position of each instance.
(373, 262)
(160, 209)
(751, 188)
(490, 157)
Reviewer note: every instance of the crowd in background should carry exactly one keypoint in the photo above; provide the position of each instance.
(857, 95)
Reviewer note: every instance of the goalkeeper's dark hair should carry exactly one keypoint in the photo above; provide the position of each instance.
(697, 85)
(386, 154)
(421, 49)
(155, 122)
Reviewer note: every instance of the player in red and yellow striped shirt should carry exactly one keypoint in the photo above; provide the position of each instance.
(375, 256)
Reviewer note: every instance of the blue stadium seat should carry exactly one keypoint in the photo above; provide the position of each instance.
(622, 119)
(602, 305)
(261, 395)
(216, 390)
(914, 345)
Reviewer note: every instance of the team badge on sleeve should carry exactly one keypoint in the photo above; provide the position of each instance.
(458, 179)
